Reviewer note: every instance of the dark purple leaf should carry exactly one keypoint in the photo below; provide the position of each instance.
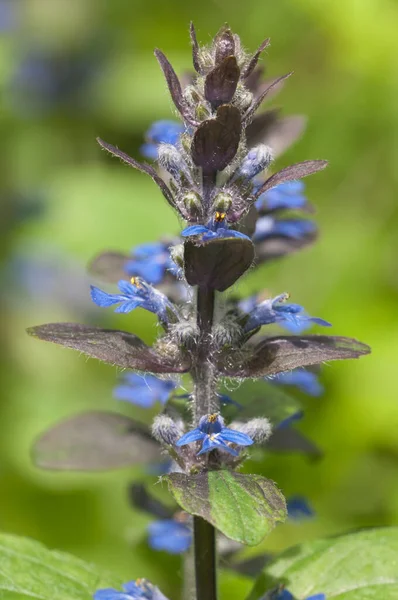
(224, 44)
(258, 101)
(144, 167)
(284, 353)
(254, 60)
(174, 86)
(297, 171)
(291, 440)
(95, 441)
(279, 134)
(216, 141)
(195, 48)
(109, 266)
(111, 346)
(276, 246)
(143, 500)
(217, 264)
(221, 82)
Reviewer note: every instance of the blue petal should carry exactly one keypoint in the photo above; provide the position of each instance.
(231, 233)
(149, 151)
(237, 437)
(194, 230)
(127, 288)
(128, 306)
(103, 299)
(284, 595)
(317, 597)
(191, 436)
(141, 397)
(216, 443)
(304, 380)
(111, 594)
(169, 535)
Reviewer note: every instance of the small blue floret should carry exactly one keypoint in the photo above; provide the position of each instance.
(144, 391)
(167, 132)
(151, 262)
(285, 196)
(276, 310)
(214, 435)
(140, 589)
(217, 227)
(290, 228)
(169, 535)
(133, 295)
(304, 380)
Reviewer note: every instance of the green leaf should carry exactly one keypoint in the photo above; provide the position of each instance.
(245, 508)
(29, 570)
(357, 566)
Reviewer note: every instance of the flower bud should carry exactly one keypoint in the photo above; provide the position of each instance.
(222, 202)
(165, 430)
(193, 204)
(259, 430)
(256, 160)
(177, 255)
(172, 161)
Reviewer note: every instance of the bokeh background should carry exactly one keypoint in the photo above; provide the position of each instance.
(74, 69)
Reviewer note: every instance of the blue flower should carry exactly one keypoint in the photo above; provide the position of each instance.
(160, 132)
(140, 589)
(151, 261)
(298, 508)
(297, 416)
(284, 594)
(133, 295)
(256, 160)
(288, 196)
(216, 228)
(144, 391)
(214, 435)
(275, 310)
(170, 535)
(304, 380)
(290, 228)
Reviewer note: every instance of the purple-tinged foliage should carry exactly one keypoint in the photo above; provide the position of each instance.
(170, 535)
(215, 436)
(143, 391)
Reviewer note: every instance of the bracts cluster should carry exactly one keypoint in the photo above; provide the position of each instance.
(214, 170)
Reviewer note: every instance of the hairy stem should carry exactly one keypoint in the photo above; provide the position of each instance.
(205, 560)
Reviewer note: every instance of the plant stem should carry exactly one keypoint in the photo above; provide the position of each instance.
(205, 560)
(206, 402)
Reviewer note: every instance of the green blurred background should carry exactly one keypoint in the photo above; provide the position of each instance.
(63, 200)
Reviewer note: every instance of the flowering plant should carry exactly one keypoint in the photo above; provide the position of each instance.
(213, 170)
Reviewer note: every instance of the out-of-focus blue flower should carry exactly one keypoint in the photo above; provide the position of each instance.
(214, 435)
(216, 228)
(144, 391)
(8, 15)
(133, 295)
(151, 262)
(166, 132)
(43, 81)
(304, 380)
(291, 228)
(275, 310)
(297, 416)
(140, 589)
(298, 508)
(169, 535)
(284, 594)
(285, 196)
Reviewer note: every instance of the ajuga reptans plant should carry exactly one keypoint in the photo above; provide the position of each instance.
(214, 170)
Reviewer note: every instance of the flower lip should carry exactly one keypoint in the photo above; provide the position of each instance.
(215, 436)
